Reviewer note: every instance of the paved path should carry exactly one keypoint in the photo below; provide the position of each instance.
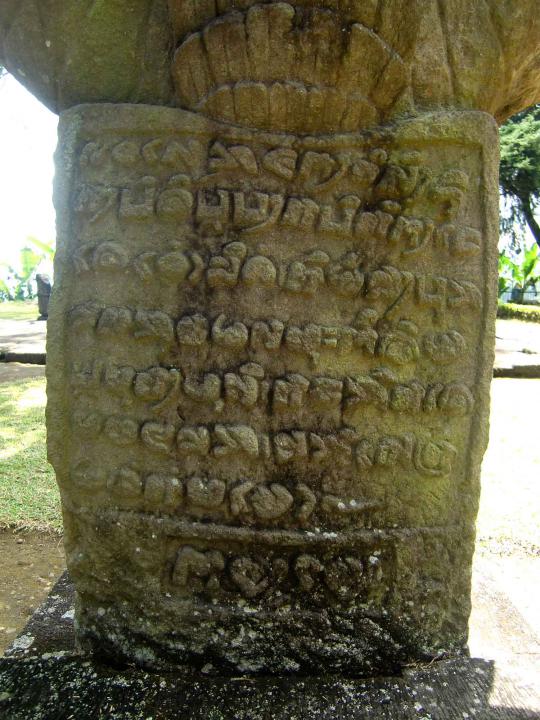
(517, 347)
(505, 623)
(22, 337)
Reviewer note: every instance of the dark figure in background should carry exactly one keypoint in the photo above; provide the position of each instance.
(44, 289)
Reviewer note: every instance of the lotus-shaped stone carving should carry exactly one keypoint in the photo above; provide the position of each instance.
(309, 65)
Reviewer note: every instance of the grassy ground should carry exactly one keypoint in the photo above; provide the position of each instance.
(19, 310)
(509, 311)
(28, 493)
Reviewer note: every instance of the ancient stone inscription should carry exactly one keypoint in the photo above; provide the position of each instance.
(272, 338)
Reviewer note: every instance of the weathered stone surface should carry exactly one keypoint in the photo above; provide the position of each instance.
(480, 55)
(272, 332)
(269, 362)
(52, 687)
(44, 678)
(72, 51)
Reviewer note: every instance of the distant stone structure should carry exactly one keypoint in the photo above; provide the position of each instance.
(272, 333)
(44, 289)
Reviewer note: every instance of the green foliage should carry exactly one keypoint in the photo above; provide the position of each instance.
(511, 311)
(29, 262)
(47, 249)
(18, 283)
(520, 174)
(505, 272)
(504, 285)
(522, 273)
(5, 292)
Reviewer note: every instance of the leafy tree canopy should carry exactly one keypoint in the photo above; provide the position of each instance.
(17, 283)
(520, 174)
(519, 274)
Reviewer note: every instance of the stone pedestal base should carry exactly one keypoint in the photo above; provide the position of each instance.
(51, 687)
(43, 677)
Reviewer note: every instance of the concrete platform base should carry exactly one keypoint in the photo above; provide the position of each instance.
(55, 687)
(43, 678)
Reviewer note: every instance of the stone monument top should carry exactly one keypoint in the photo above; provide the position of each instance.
(395, 55)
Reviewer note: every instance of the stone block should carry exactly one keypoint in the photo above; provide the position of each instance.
(269, 358)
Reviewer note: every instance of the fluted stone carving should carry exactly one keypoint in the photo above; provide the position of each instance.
(479, 55)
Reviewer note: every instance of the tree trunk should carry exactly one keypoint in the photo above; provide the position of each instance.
(531, 220)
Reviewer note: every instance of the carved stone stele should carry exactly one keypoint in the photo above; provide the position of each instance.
(268, 385)
(272, 327)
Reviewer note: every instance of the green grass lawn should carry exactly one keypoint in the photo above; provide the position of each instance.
(28, 493)
(19, 310)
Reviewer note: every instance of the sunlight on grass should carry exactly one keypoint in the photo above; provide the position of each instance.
(33, 397)
(28, 492)
(19, 310)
